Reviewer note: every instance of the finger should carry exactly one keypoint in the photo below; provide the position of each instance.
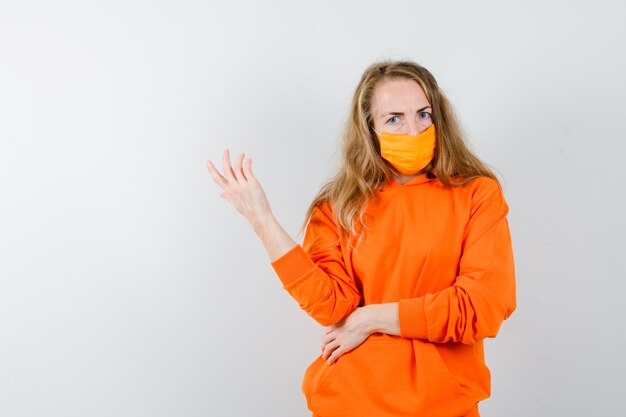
(324, 341)
(335, 355)
(238, 173)
(247, 170)
(329, 348)
(217, 177)
(228, 170)
(328, 338)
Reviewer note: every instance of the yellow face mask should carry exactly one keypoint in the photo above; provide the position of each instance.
(408, 153)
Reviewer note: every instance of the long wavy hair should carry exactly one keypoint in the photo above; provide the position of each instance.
(364, 171)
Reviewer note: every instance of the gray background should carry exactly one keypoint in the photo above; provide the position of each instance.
(129, 288)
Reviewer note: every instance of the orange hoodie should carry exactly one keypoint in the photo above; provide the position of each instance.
(443, 253)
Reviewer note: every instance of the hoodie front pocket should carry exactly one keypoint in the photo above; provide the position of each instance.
(385, 377)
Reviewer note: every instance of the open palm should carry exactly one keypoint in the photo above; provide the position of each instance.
(241, 188)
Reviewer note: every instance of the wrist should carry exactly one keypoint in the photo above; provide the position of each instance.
(372, 322)
(383, 318)
(262, 223)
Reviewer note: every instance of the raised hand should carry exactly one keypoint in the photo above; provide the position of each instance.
(241, 188)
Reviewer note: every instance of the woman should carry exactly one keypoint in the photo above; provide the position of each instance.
(407, 256)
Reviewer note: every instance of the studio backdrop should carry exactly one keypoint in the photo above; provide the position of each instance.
(129, 288)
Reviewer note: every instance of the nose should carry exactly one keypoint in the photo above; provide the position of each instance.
(413, 128)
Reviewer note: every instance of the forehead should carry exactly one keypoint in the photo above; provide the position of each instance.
(398, 95)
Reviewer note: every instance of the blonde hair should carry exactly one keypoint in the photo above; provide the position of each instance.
(364, 171)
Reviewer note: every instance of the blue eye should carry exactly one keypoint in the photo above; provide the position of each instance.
(394, 117)
(424, 115)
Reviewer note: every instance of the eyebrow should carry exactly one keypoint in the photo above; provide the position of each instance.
(399, 113)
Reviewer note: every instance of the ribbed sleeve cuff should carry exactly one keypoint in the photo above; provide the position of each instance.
(292, 265)
(412, 318)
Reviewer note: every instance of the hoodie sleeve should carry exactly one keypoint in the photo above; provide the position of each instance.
(483, 294)
(314, 273)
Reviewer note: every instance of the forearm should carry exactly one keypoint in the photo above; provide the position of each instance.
(313, 272)
(275, 238)
(384, 318)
